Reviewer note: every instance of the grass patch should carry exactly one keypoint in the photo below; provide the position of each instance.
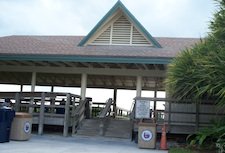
(190, 150)
(181, 150)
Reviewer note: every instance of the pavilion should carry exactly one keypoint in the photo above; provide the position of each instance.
(118, 53)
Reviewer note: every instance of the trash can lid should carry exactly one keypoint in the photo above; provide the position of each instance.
(22, 115)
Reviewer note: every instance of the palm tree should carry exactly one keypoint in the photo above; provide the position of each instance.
(199, 73)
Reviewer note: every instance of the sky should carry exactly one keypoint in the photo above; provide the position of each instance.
(161, 18)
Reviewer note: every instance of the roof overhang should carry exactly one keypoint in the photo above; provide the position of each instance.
(99, 59)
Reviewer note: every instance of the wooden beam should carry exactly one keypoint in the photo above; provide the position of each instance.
(101, 65)
(70, 64)
(155, 66)
(27, 63)
(12, 62)
(43, 63)
(145, 66)
(139, 66)
(122, 66)
(87, 65)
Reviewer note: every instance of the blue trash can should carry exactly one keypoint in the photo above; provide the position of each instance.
(6, 117)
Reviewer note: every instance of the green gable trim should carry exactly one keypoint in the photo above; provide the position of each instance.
(120, 5)
(67, 58)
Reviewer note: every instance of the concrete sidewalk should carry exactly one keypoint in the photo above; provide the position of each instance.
(76, 144)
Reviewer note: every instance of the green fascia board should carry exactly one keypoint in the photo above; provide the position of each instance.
(118, 5)
(99, 59)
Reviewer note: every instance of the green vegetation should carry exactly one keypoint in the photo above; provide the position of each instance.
(199, 74)
(210, 136)
(181, 150)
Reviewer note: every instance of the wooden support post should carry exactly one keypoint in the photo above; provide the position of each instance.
(17, 102)
(66, 116)
(114, 103)
(41, 115)
(52, 88)
(197, 117)
(83, 85)
(169, 116)
(52, 110)
(155, 103)
(52, 101)
(138, 86)
(21, 88)
(73, 116)
(33, 83)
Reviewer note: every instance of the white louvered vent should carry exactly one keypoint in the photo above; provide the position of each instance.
(137, 38)
(104, 38)
(121, 32)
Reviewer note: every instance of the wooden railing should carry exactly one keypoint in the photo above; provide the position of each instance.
(79, 115)
(185, 116)
(97, 108)
(107, 109)
(46, 107)
(103, 116)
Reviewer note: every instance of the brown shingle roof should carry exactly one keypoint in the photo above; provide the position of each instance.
(68, 45)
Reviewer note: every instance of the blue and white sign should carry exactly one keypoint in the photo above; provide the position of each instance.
(26, 127)
(146, 135)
